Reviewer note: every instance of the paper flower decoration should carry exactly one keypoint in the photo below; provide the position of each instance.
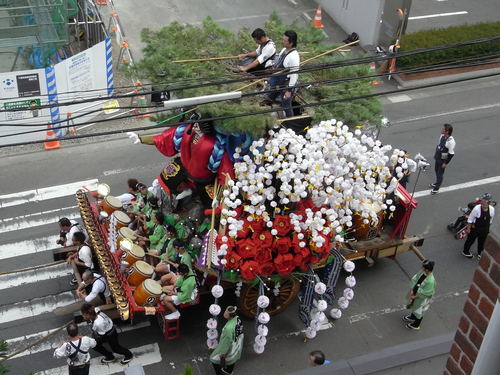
(259, 349)
(212, 323)
(266, 269)
(320, 288)
(212, 343)
(214, 309)
(233, 260)
(282, 225)
(260, 340)
(263, 302)
(262, 240)
(282, 244)
(249, 269)
(246, 248)
(262, 330)
(217, 291)
(284, 264)
(263, 318)
(336, 313)
(314, 324)
(320, 316)
(348, 293)
(212, 334)
(310, 333)
(350, 281)
(343, 303)
(349, 266)
(322, 305)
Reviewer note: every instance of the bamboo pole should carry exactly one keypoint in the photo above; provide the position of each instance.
(33, 268)
(203, 59)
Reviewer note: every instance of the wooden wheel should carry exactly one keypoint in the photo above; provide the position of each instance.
(247, 302)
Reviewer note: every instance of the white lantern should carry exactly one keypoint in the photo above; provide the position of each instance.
(336, 313)
(212, 343)
(214, 309)
(350, 281)
(264, 318)
(343, 303)
(211, 323)
(217, 291)
(259, 349)
(263, 302)
(320, 288)
(348, 293)
(349, 266)
(262, 330)
(322, 305)
(310, 333)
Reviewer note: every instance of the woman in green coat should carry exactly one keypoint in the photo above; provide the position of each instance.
(154, 241)
(228, 352)
(423, 286)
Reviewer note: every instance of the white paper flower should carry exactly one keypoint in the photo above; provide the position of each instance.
(211, 323)
(260, 340)
(314, 324)
(320, 316)
(348, 293)
(259, 349)
(350, 281)
(320, 288)
(336, 313)
(263, 318)
(349, 266)
(343, 303)
(263, 302)
(262, 330)
(212, 334)
(310, 333)
(217, 291)
(214, 309)
(322, 305)
(212, 343)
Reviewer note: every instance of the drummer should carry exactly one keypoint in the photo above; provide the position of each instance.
(141, 198)
(168, 252)
(180, 293)
(185, 258)
(154, 241)
(93, 287)
(146, 214)
(128, 197)
(82, 258)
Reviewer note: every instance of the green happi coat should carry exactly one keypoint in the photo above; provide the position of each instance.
(230, 344)
(425, 292)
(157, 238)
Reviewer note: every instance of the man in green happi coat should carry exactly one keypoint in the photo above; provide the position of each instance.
(228, 352)
(423, 286)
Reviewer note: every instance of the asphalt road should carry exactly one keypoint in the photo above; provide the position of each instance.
(372, 322)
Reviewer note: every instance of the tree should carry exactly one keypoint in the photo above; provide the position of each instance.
(4, 348)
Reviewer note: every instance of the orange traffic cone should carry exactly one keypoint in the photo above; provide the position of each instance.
(317, 19)
(52, 142)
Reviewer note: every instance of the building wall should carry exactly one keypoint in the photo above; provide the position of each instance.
(475, 320)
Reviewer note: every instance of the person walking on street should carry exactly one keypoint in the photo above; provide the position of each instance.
(104, 331)
(445, 150)
(423, 286)
(262, 57)
(76, 349)
(478, 225)
(317, 358)
(228, 352)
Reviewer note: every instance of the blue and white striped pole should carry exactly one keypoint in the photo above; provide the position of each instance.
(50, 77)
(109, 66)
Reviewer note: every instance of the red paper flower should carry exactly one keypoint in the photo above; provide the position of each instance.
(249, 269)
(233, 260)
(266, 269)
(263, 239)
(246, 248)
(298, 260)
(258, 224)
(246, 230)
(263, 255)
(325, 248)
(282, 225)
(230, 242)
(282, 244)
(284, 264)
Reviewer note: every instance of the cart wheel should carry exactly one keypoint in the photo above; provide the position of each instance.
(247, 302)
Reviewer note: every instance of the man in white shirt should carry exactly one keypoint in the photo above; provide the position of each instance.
(445, 150)
(283, 84)
(478, 226)
(103, 330)
(76, 349)
(68, 229)
(98, 288)
(262, 57)
(83, 256)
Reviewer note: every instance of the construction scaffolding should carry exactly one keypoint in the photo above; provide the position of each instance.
(41, 33)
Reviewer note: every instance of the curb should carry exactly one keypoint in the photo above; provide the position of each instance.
(444, 79)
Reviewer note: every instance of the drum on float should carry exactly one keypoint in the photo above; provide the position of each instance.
(139, 272)
(125, 233)
(147, 293)
(121, 218)
(133, 254)
(370, 230)
(110, 204)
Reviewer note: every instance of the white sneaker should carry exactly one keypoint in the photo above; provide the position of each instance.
(173, 316)
(183, 194)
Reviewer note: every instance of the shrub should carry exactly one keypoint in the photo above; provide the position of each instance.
(450, 35)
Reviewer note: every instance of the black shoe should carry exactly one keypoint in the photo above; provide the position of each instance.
(432, 185)
(106, 360)
(73, 282)
(434, 191)
(408, 318)
(411, 326)
(467, 255)
(124, 361)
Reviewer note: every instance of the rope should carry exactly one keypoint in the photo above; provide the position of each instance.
(57, 330)
(32, 268)
(179, 132)
(217, 153)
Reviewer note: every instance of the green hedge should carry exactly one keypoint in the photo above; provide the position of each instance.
(450, 35)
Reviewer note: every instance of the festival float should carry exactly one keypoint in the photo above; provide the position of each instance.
(274, 218)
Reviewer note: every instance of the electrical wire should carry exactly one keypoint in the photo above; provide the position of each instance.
(348, 62)
(315, 104)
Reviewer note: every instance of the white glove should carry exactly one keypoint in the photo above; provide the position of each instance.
(134, 137)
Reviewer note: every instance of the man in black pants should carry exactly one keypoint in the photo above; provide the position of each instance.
(478, 226)
(104, 331)
(445, 150)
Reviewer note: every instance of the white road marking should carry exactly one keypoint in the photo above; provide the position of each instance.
(15, 249)
(37, 219)
(35, 307)
(424, 117)
(50, 192)
(242, 18)
(390, 310)
(16, 279)
(143, 355)
(307, 16)
(293, 2)
(438, 15)
(465, 185)
(18, 343)
(399, 98)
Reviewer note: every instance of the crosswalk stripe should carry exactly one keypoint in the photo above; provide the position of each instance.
(50, 192)
(38, 245)
(35, 276)
(18, 343)
(38, 219)
(144, 355)
(35, 307)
